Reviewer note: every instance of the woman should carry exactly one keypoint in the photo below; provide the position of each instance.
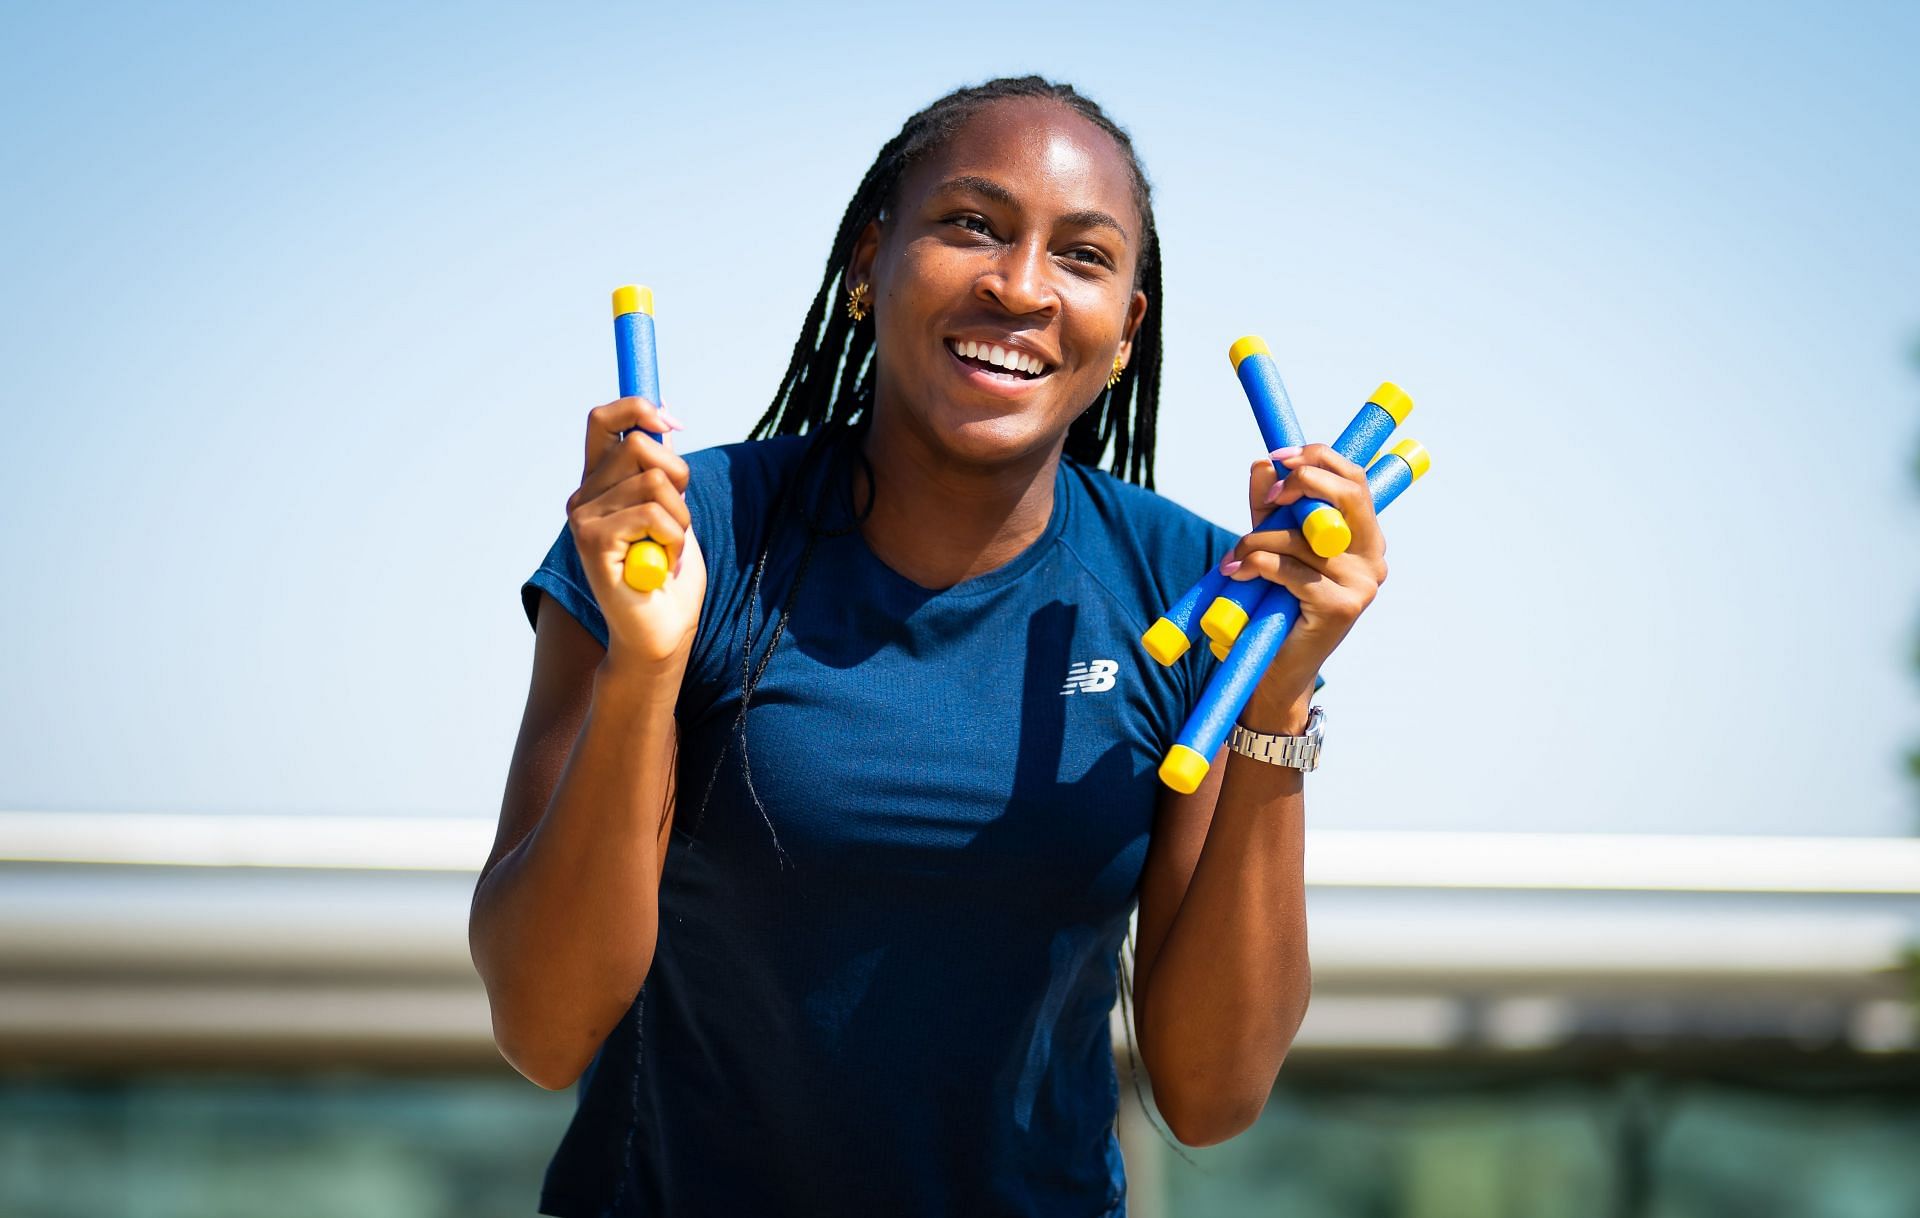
(865, 965)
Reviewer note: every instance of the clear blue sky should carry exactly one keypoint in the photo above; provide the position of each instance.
(304, 311)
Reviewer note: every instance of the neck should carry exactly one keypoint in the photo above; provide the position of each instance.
(939, 522)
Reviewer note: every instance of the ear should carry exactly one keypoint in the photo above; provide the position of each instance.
(865, 248)
(1136, 313)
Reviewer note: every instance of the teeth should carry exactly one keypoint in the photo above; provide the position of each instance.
(1000, 357)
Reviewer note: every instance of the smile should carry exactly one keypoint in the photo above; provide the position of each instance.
(1012, 374)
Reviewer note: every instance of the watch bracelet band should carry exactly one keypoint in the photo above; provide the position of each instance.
(1300, 752)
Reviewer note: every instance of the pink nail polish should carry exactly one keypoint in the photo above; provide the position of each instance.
(1273, 493)
(672, 422)
(1229, 566)
(1281, 454)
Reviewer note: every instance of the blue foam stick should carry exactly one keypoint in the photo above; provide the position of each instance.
(1173, 633)
(639, 360)
(1321, 523)
(1267, 393)
(1359, 443)
(1170, 636)
(1233, 683)
(1385, 410)
(1185, 612)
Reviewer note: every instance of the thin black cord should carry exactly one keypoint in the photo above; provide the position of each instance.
(1133, 1061)
(831, 438)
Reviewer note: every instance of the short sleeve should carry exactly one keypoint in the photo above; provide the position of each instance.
(563, 578)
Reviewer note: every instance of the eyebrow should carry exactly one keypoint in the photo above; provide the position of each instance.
(1087, 218)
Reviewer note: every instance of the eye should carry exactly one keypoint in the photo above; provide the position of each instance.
(1099, 259)
(970, 218)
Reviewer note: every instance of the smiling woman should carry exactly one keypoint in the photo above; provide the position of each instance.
(868, 967)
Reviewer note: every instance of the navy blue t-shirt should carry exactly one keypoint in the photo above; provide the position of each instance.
(884, 989)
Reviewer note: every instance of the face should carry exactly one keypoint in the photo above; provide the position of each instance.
(1021, 232)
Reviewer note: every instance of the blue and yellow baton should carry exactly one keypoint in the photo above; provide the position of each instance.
(1169, 636)
(1321, 523)
(1325, 528)
(633, 348)
(1266, 393)
(1187, 762)
(1386, 409)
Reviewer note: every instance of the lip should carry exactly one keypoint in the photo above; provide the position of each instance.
(987, 382)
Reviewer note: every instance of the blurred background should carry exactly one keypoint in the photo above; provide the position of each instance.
(1613, 884)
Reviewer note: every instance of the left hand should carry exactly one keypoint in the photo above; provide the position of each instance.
(1333, 592)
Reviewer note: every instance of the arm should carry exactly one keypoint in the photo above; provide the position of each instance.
(1221, 974)
(566, 910)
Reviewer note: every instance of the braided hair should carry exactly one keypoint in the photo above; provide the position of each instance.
(827, 393)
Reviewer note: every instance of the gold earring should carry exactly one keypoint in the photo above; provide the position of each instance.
(1115, 378)
(857, 301)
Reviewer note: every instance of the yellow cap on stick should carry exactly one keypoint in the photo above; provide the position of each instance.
(1252, 344)
(1326, 531)
(1220, 650)
(1223, 621)
(1165, 641)
(1394, 400)
(646, 567)
(632, 299)
(1184, 769)
(1415, 455)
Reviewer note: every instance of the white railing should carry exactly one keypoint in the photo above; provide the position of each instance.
(138, 936)
(1335, 858)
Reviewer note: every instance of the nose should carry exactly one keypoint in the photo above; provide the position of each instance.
(1019, 280)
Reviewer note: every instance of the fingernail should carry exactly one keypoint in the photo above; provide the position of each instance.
(673, 423)
(1229, 566)
(1273, 493)
(1281, 454)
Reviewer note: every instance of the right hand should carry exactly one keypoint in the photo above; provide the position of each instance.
(632, 489)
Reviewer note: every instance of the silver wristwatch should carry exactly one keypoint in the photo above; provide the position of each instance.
(1300, 752)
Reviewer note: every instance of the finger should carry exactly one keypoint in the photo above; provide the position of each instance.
(647, 486)
(663, 528)
(1274, 541)
(1321, 596)
(606, 423)
(1354, 498)
(635, 454)
(1295, 575)
(1260, 482)
(1324, 456)
(641, 522)
(1317, 482)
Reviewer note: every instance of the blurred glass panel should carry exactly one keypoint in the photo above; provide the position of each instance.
(264, 1147)
(1551, 1138)
(1688, 1140)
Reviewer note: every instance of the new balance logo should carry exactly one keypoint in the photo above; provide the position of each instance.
(1089, 676)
